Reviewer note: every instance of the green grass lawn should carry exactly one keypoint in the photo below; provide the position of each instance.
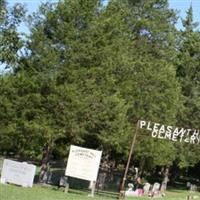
(38, 192)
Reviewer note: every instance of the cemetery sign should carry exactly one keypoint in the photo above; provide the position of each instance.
(83, 163)
(160, 131)
(175, 134)
(19, 173)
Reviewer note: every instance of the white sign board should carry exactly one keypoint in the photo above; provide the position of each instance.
(83, 163)
(18, 173)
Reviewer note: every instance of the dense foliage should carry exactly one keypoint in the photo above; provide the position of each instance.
(88, 71)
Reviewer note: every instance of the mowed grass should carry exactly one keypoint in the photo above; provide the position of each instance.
(38, 192)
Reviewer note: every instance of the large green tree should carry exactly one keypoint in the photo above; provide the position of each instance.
(89, 72)
(10, 44)
(151, 87)
(10, 41)
(188, 74)
(79, 58)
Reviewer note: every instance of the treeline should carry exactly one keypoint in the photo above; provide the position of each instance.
(87, 71)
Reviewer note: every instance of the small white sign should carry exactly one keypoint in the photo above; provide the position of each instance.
(18, 173)
(83, 163)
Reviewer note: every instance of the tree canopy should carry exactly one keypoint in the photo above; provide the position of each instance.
(88, 71)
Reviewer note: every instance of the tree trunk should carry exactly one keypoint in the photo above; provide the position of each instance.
(165, 180)
(141, 168)
(45, 163)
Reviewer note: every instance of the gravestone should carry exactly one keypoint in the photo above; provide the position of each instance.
(193, 188)
(156, 190)
(49, 177)
(101, 180)
(44, 178)
(188, 184)
(146, 188)
(19, 173)
(130, 191)
(63, 181)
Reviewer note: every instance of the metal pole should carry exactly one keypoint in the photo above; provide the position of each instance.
(129, 159)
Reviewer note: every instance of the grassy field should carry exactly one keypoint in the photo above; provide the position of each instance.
(11, 192)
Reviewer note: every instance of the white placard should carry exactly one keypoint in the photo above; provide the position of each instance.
(19, 173)
(83, 163)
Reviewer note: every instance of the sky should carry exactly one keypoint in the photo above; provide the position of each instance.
(180, 5)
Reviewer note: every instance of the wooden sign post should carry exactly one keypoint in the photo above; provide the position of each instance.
(121, 192)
